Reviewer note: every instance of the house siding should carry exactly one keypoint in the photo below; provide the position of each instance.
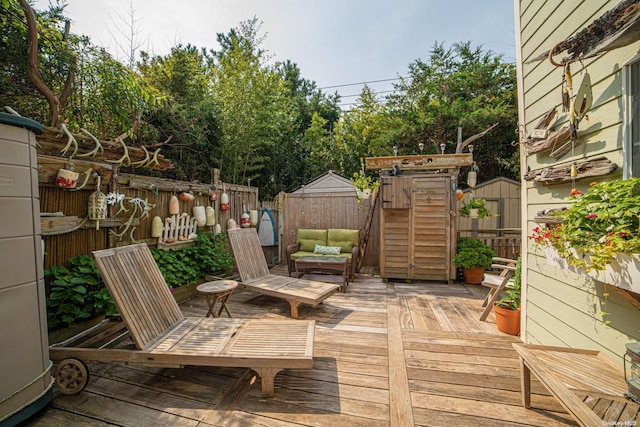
(562, 308)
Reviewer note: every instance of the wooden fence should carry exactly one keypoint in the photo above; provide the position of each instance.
(67, 233)
(329, 210)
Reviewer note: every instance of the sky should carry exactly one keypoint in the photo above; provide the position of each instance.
(333, 42)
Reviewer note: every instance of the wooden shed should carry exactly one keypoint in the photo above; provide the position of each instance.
(503, 198)
(417, 224)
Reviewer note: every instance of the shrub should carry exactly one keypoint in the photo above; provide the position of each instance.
(472, 253)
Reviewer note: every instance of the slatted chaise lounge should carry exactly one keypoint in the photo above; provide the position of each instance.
(255, 275)
(163, 337)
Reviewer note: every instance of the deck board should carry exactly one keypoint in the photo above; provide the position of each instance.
(385, 354)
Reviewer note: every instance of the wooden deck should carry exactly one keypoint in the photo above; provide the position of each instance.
(386, 354)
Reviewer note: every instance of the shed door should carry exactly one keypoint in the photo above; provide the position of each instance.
(431, 256)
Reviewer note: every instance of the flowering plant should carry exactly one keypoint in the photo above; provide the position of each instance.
(601, 223)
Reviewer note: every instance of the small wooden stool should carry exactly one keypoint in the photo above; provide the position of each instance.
(218, 290)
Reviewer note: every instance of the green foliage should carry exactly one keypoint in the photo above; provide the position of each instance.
(76, 293)
(362, 182)
(510, 297)
(472, 253)
(599, 224)
(190, 264)
(475, 203)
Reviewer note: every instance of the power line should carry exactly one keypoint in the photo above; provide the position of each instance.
(362, 83)
(373, 93)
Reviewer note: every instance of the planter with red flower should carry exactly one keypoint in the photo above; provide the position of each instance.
(599, 234)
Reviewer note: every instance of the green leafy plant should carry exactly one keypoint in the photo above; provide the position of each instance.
(472, 253)
(190, 264)
(363, 182)
(510, 297)
(76, 293)
(475, 203)
(598, 225)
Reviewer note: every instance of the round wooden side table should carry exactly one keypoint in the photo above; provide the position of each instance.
(218, 290)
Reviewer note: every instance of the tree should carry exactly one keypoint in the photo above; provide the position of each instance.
(60, 77)
(186, 124)
(314, 116)
(463, 87)
(255, 111)
(361, 132)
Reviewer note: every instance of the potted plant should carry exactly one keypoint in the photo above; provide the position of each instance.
(597, 234)
(475, 208)
(507, 307)
(474, 257)
(363, 184)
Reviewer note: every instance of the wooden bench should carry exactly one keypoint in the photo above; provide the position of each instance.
(588, 385)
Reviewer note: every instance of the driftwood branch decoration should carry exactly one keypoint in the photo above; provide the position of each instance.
(461, 145)
(55, 104)
(560, 174)
(616, 28)
(554, 139)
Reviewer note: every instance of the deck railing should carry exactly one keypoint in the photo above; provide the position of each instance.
(506, 242)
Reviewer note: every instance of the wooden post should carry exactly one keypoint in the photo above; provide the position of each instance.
(113, 188)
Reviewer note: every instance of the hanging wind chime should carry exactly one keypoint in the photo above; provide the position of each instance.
(577, 107)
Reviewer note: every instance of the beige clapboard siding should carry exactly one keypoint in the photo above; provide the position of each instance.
(563, 308)
(499, 189)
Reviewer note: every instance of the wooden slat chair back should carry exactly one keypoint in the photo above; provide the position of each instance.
(139, 291)
(246, 244)
(497, 282)
(255, 275)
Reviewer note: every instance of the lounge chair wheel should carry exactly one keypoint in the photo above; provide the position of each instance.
(71, 375)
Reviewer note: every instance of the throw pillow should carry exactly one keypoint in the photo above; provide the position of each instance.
(326, 250)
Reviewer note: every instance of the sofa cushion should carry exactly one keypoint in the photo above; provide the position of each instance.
(327, 250)
(308, 238)
(344, 238)
(307, 245)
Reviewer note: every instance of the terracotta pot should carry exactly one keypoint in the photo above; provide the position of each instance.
(508, 321)
(473, 276)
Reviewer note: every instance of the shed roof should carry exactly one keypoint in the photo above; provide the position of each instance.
(329, 182)
(493, 181)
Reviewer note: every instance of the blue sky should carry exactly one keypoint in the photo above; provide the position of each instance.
(334, 42)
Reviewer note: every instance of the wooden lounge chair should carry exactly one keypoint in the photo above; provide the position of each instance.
(255, 275)
(497, 282)
(164, 338)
